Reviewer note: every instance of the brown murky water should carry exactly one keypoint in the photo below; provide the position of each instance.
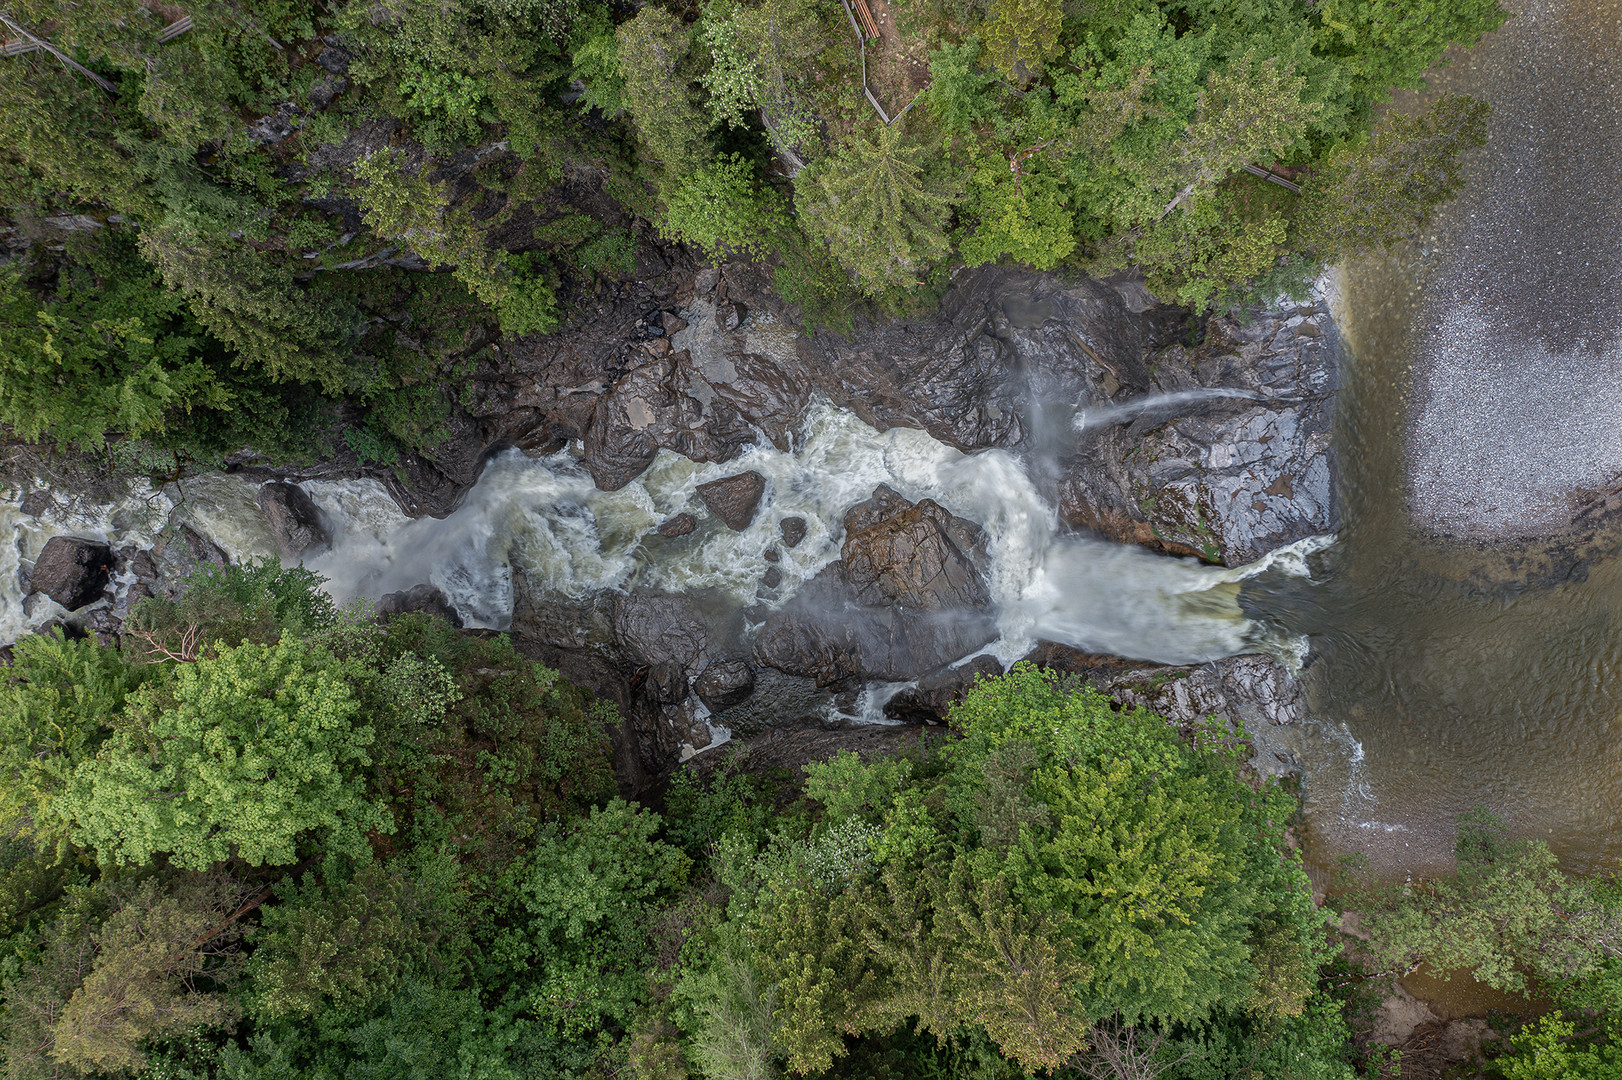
(1450, 674)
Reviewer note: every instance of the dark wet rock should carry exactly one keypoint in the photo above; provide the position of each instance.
(577, 624)
(725, 683)
(1001, 340)
(757, 371)
(729, 315)
(934, 695)
(654, 629)
(140, 563)
(642, 652)
(200, 549)
(680, 525)
(295, 521)
(71, 571)
(650, 408)
(772, 578)
(106, 627)
(734, 499)
(771, 555)
(326, 90)
(667, 682)
(912, 555)
(1227, 478)
(904, 600)
(38, 502)
(335, 58)
(427, 599)
(691, 728)
(793, 529)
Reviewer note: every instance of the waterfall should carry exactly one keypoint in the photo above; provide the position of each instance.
(1099, 416)
(546, 516)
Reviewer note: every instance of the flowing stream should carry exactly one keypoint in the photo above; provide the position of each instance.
(546, 516)
(1458, 656)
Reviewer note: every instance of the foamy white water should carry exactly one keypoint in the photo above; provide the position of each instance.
(545, 516)
(1099, 416)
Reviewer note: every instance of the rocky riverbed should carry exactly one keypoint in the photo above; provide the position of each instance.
(1121, 418)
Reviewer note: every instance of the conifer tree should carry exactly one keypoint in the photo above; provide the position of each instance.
(880, 207)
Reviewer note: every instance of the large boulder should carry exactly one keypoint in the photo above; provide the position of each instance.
(905, 599)
(912, 555)
(734, 499)
(71, 571)
(426, 599)
(725, 683)
(295, 521)
(1227, 455)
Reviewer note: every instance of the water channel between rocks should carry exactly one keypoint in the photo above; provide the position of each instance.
(1460, 655)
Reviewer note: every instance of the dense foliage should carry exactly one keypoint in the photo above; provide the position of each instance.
(225, 234)
(268, 837)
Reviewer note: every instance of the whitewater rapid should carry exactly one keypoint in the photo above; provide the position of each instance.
(544, 516)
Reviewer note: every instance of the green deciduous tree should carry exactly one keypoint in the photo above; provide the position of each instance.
(341, 945)
(582, 903)
(1147, 847)
(723, 210)
(59, 700)
(1507, 913)
(237, 755)
(881, 203)
(1371, 194)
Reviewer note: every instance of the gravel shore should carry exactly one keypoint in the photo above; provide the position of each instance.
(1518, 366)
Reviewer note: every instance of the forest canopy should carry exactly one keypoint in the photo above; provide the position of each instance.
(232, 222)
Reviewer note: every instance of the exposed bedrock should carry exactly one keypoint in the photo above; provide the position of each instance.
(1220, 449)
(905, 599)
(1228, 456)
(668, 663)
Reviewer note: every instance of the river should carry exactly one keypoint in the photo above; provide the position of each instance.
(1457, 655)
(1463, 656)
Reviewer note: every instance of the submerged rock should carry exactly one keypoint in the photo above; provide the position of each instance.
(734, 499)
(295, 521)
(72, 571)
(680, 525)
(905, 599)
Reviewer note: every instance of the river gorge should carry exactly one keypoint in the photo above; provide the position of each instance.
(1396, 497)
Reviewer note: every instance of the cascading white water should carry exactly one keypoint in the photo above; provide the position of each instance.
(1097, 416)
(546, 516)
